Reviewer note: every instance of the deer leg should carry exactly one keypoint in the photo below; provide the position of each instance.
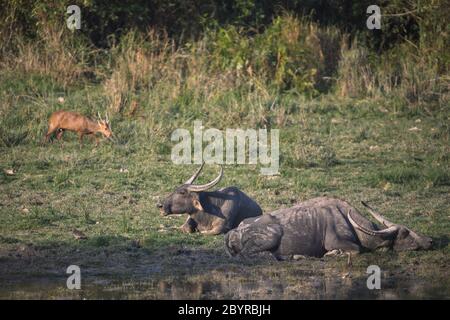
(80, 137)
(49, 133)
(59, 134)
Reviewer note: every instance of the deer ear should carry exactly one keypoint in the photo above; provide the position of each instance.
(197, 205)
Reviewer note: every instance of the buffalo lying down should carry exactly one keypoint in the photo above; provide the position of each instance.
(210, 212)
(318, 227)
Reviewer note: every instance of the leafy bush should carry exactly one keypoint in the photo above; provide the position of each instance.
(289, 54)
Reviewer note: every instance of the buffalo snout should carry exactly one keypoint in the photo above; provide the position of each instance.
(164, 210)
(429, 244)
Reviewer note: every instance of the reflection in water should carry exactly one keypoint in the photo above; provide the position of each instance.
(311, 288)
(306, 287)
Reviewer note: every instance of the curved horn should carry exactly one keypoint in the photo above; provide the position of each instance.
(106, 117)
(203, 187)
(378, 216)
(195, 175)
(370, 232)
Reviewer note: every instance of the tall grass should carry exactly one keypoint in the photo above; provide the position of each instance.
(225, 77)
(55, 53)
(227, 74)
(407, 73)
(292, 55)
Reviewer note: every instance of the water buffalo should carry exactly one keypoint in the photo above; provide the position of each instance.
(318, 227)
(213, 212)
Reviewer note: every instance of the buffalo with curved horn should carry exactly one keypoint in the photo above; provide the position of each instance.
(318, 227)
(213, 212)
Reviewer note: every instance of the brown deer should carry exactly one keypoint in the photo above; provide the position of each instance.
(61, 121)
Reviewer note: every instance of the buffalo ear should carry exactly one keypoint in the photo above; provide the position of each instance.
(197, 204)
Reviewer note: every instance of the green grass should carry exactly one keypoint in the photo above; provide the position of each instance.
(343, 148)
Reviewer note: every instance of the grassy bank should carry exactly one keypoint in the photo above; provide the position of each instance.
(352, 149)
